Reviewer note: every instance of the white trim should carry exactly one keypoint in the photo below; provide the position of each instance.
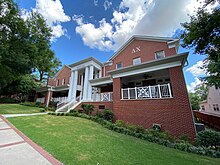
(88, 63)
(102, 82)
(148, 69)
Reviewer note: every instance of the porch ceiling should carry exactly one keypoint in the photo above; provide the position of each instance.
(147, 76)
(101, 81)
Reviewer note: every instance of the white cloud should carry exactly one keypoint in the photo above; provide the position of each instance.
(143, 17)
(54, 15)
(96, 2)
(196, 82)
(107, 4)
(197, 69)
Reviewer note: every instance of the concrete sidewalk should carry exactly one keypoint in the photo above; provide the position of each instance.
(17, 149)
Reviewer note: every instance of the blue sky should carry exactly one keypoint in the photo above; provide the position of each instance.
(98, 27)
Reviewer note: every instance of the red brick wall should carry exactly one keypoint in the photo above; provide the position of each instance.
(47, 99)
(174, 114)
(65, 73)
(108, 105)
(147, 53)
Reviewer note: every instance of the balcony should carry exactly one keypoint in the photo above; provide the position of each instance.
(147, 92)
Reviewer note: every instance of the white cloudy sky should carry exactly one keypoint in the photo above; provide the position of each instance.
(105, 25)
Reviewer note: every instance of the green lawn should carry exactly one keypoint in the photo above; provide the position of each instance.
(17, 109)
(79, 141)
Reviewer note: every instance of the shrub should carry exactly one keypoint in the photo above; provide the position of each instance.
(8, 100)
(184, 138)
(135, 128)
(208, 138)
(108, 115)
(119, 123)
(87, 108)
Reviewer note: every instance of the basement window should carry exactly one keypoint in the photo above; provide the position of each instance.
(101, 106)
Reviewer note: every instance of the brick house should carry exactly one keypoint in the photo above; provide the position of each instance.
(211, 105)
(143, 83)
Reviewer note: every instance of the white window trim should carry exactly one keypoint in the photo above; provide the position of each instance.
(159, 51)
(138, 61)
(57, 83)
(63, 81)
(117, 65)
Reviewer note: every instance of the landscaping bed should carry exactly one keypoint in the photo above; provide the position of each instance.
(74, 140)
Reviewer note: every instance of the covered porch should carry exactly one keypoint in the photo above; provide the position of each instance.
(150, 85)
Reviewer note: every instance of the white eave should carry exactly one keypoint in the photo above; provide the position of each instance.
(101, 81)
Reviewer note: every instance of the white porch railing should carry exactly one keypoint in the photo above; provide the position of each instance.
(40, 100)
(147, 92)
(59, 99)
(107, 96)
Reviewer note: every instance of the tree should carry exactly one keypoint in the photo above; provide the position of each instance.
(45, 62)
(22, 86)
(203, 34)
(24, 46)
(200, 94)
(15, 49)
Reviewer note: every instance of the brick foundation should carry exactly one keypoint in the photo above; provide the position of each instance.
(108, 105)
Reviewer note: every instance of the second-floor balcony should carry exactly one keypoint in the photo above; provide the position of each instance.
(147, 92)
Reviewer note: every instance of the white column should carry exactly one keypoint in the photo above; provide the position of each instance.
(91, 69)
(96, 73)
(100, 73)
(74, 85)
(85, 88)
(71, 86)
(82, 86)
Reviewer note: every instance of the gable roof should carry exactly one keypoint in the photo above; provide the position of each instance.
(84, 61)
(148, 38)
(61, 70)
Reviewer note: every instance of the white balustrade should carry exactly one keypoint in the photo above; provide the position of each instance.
(107, 96)
(147, 92)
(60, 99)
(40, 100)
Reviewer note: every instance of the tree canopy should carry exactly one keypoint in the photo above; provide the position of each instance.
(202, 32)
(200, 94)
(24, 46)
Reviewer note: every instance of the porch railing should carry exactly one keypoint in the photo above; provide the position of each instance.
(147, 92)
(59, 99)
(40, 100)
(107, 96)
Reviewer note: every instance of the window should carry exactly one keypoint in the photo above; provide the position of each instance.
(215, 107)
(57, 83)
(203, 107)
(160, 54)
(119, 65)
(136, 61)
(63, 81)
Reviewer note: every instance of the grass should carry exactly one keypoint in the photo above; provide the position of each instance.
(79, 141)
(17, 109)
